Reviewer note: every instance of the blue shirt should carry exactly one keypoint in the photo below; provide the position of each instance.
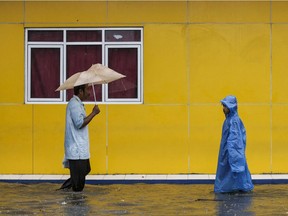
(76, 138)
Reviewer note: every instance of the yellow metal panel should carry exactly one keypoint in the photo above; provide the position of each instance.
(147, 139)
(229, 59)
(256, 118)
(49, 139)
(229, 11)
(16, 139)
(71, 12)
(188, 69)
(70, 25)
(280, 131)
(98, 140)
(12, 63)
(279, 11)
(204, 139)
(143, 12)
(280, 63)
(165, 77)
(11, 11)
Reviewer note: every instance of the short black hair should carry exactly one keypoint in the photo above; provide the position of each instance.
(77, 89)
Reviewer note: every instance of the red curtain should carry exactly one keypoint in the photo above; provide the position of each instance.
(84, 36)
(45, 36)
(45, 72)
(124, 61)
(81, 58)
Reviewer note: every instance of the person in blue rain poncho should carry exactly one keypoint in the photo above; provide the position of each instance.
(232, 171)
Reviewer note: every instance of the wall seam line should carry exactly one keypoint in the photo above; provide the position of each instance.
(271, 91)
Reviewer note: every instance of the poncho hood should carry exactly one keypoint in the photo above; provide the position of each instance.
(231, 103)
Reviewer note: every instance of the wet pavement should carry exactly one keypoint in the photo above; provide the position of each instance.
(141, 199)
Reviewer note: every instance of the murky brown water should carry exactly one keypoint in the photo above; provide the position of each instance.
(140, 199)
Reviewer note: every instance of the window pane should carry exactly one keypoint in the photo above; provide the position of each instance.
(124, 61)
(84, 36)
(45, 72)
(81, 58)
(122, 35)
(48, 36)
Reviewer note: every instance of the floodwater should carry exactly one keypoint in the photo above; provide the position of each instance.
(140, 199)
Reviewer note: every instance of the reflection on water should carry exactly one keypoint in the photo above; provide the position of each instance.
(75, 204)
(234, 204)
(140, 199)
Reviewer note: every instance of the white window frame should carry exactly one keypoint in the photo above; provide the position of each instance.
(62, 45)
(28, 76)
(139, 80)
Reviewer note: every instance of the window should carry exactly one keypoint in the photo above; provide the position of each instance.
(53, 55)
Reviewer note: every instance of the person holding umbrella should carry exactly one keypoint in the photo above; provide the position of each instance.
(232, 172)
(77, 151)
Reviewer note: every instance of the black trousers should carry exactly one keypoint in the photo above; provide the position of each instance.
(78, 171)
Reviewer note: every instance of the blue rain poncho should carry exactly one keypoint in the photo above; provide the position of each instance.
(232, 170)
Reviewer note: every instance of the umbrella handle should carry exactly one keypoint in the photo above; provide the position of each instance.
(94, 93)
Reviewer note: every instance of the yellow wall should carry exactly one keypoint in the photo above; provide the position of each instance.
(195, 53)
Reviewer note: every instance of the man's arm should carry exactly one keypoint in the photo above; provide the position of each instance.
(88, 118)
